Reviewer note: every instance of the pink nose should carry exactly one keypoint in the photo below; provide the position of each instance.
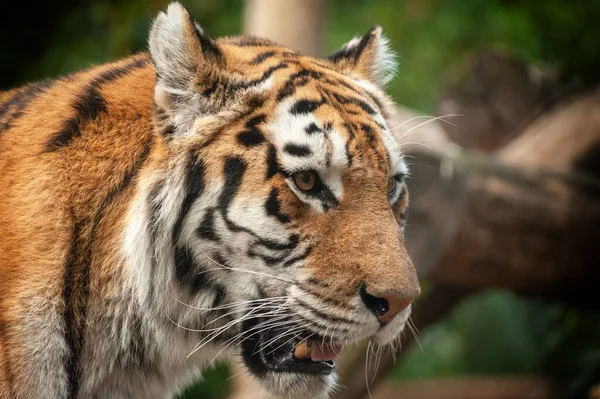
(385, 305)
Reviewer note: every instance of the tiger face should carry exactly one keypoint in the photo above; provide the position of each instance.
(272, 220)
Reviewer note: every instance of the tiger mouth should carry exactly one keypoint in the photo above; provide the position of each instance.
(273, 350)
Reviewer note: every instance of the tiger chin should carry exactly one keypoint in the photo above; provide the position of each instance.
(210, 198)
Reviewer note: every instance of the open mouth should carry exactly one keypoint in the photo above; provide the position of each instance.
(274, 350)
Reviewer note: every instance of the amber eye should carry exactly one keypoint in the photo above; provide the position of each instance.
(306, 180)
(391, 187)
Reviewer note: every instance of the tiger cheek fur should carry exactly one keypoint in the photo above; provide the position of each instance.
(154, 220)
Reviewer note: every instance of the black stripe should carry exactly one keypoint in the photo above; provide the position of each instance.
(168, 130)
(348, 155)
(255, 82)
(153, 226)
(292, 242)
(252, 136)
(354, 101)
(328, 199)
(89, 105)
(273, 207)
(351, 128)
(370, 134)
(298, 150)
(312, 128)
(187, 272)
(210, 90)
(306, 106)
(358, 91)
(259, 59)
(269, 260)
(323, 323)
(283, 249)
(372, 141)
(363, 43)
(206, 229)
(272, 163)
(137, 346)
(233, 170)
(298, 258)
(300, 78)
(12, 109)
(328, 299)
(73, 333)
(325, 316)
(76, 284)
(336, 82)
(209, 47)
(194, 187)
(353, 53)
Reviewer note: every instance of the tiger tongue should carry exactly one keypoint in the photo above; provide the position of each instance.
(321, 353)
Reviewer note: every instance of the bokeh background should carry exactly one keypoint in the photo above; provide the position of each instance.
(510, 306)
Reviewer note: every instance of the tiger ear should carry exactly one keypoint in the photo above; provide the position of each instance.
(369, 57)
(187, 64)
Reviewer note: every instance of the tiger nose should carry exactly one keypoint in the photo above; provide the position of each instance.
(385, 305)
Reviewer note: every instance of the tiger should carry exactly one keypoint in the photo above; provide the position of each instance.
(206, 200)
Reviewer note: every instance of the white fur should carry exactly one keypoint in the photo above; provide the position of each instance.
(384, 64)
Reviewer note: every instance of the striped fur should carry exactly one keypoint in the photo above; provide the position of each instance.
(143, 200)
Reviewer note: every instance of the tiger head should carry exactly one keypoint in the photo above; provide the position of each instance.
(272, 220)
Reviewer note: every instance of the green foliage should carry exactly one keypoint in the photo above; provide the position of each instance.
(213, 385)
(431, 36)
(575, 364)
(492, 333)
(499, 333)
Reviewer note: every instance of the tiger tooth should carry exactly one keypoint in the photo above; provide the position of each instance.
(302, 350)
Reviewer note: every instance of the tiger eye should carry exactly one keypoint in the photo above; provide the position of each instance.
(391, 186)
(306, 181)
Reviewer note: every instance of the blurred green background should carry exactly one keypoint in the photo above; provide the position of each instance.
(490, 333)
(430, 36)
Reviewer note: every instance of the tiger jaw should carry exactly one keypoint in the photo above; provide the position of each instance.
(303, 361)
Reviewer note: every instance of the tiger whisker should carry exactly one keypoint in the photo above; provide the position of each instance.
(247, 271)
(229, 305)
(202, 344)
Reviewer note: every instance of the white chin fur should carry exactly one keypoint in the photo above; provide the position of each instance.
(298, 386)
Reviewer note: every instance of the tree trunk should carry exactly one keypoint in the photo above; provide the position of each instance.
(297, 24)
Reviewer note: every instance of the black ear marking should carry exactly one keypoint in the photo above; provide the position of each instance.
(208, 46)
(353, 52)
(370, 57)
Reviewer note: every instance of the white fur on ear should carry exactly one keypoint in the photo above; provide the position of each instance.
(384, 66)
(168, 45)
(186, 63)
(370, 56)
